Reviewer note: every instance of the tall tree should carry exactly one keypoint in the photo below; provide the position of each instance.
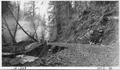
(5, 13)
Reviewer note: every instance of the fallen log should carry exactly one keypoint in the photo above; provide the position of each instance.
(20, 48)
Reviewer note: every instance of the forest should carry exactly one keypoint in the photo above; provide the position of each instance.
(60, 33)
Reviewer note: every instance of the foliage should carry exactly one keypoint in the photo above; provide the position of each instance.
(74, 23)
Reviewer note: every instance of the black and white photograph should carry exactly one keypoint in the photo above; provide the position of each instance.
(43, 33)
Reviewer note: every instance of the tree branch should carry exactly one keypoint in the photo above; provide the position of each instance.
(21, 26)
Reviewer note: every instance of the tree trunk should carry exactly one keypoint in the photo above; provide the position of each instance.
(51, 28)
(9, 30)
(17, 20)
